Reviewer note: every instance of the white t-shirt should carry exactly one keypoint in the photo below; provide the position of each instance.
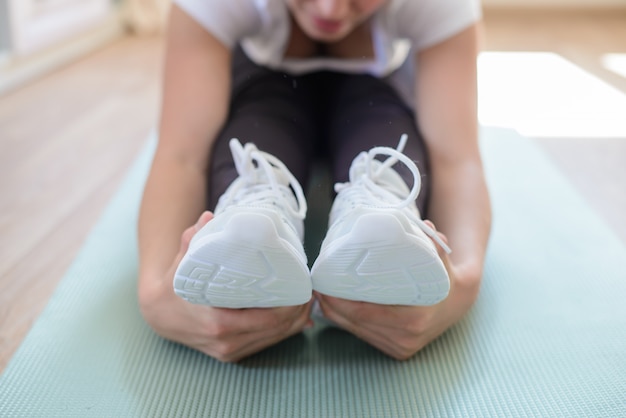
(400, 27)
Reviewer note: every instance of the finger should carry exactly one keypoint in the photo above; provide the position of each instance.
(394, 338)
(365, 312)
(373, 337)
(331, 312)
(442, 254)
(430, 224)
(262, 342)
(343, 313)
(186, 237)
(188, 233)
(245, 344)
(204, 218)
(441, 235)
(253, 320)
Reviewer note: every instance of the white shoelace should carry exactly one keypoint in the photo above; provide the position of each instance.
(247, 189)
(370, 183)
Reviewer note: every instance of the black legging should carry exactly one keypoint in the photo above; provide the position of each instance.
(300, 119)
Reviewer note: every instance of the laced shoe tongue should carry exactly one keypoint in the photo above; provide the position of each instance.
(380, 180)
(259, 170)
(387, 178)
(260, 180)
(259, 176)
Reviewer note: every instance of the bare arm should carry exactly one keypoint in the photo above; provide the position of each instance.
(195, 102)
(446, 103)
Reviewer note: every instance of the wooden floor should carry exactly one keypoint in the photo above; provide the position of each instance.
(67, 139)
(66, 143)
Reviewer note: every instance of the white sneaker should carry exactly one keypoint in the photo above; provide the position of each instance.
(250, 254)
(377, 248)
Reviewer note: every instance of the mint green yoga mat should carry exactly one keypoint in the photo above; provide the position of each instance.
(547, 336)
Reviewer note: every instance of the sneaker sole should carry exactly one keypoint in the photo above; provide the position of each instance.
(246, 265)
(379, 262)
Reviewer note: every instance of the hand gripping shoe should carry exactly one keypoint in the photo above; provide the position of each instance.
(250, 254)
(377, 248)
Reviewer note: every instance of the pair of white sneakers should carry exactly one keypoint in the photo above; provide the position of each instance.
(377, 249)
